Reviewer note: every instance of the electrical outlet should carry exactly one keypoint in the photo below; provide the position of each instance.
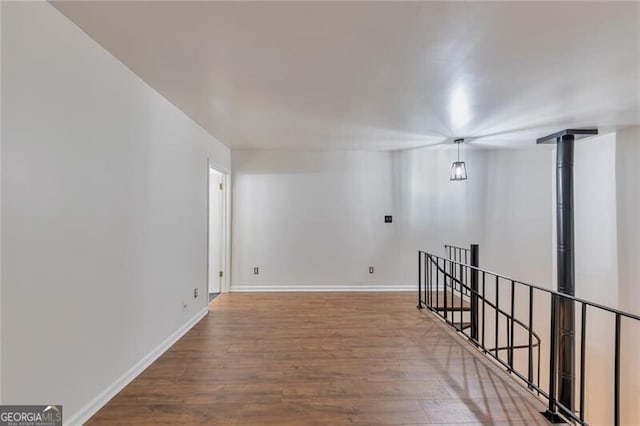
(388, 219)
(371, 269)
(195, 292)
(256, 271)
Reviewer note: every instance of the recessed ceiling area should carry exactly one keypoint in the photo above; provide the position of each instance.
(379, 76)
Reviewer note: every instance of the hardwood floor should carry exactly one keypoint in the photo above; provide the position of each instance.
(321, 359)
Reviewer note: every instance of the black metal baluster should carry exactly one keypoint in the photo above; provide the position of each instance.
(419, 306)
(539, 355)
(472, 275)
(513, 314)
(461, 301)
(497, 319)
(431, 288)
(427, 269)
(431, 282)
(444, 278)
(438, 286)
(483, 309)
(427, 280)
(507, 323)
(530, 360)
(616, 390)
(551, 411)
(583, 344)
(466, 277)
(452, 279)
(425, 275)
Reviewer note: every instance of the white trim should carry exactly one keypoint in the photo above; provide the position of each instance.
(92, 407)
(217, 167)
(346, 287)
(226, 280)
(226, 225)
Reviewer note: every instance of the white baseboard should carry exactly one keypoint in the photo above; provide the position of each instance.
(101, 400)
(345, 287)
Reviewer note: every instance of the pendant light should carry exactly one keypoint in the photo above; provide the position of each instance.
(458, 168)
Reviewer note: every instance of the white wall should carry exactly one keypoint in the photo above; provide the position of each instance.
(596, 257)
(628, 203)
(516, 218)
(432, 209)
(596, 239)
(104, 214)
(312, 220)
(316, 219)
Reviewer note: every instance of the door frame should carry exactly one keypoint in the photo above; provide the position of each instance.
(225, 284)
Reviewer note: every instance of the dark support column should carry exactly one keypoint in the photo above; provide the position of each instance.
(420, 280)
(474, 261)
(562, 311)
(566, 270)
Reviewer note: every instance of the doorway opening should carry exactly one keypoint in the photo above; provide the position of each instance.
(217, 233)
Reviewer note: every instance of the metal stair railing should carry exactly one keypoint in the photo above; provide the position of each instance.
(450, 289)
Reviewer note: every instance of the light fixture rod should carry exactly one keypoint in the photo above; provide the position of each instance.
(458, 142)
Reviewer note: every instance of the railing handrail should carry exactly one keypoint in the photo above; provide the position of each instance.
(553, 292)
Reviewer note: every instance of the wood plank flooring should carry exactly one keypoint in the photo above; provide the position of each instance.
(321, 359)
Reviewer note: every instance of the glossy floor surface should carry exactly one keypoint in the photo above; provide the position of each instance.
(321, 359)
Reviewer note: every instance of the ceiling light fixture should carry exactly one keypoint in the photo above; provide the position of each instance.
(458, 168)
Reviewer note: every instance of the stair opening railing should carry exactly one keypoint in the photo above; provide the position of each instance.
(454, 289)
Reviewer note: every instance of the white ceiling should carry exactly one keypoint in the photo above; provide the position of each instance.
(373, 75)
